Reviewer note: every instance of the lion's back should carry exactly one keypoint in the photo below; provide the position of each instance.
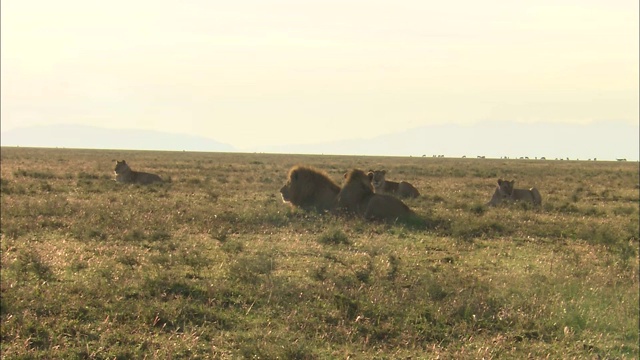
(531, 195)
(387, 207)
(405, 189)
(145, 178)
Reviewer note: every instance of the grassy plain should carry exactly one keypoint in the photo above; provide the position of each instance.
(213, 265)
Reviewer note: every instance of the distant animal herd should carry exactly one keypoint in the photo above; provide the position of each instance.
(366, 194)
(524, 158)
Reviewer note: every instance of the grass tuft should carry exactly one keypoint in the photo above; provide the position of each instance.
(334, 236)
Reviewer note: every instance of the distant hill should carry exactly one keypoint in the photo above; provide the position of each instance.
(79, 136)
(494, 139)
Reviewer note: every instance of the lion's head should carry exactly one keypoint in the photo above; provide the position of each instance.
(505, 187)
(356, 191)
(377, 178)
(121, 166)
(309, 188)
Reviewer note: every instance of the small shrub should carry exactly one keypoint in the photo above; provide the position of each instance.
(364, 273)
(624, 210)
(160, 235)
(232, 247)
(134, 235)
(394, 266)
(250, 268)
(320, 273)
(346, 305)
(34, 174)
(78, 265)
(568, 208)
(626, 252)
(4, 187)
(87, 176)
(29, 261)
(96, 234)
(128, 259)
(602, 235)
(334, 237)
(194, 181)
(478, 209)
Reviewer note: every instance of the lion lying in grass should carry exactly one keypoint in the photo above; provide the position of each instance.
(309, 189)
(384, 186)
(506, 192)
(124, 174)
(357, 196)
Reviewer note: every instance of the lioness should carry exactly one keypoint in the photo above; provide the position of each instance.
(506, 191)
(310, 189)
(124, 174)
(384, 186)
(357, 196)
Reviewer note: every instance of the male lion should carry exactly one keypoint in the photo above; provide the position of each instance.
(124, 174)
(357, 196)
(506, 191)
(383, 186)
(310, 189)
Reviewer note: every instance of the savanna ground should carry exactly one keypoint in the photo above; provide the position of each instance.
(214, 265)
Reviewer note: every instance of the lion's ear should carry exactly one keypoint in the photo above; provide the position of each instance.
(346, 174)
(499, 181)
(294, 175)
(384, 172)
(370, 176)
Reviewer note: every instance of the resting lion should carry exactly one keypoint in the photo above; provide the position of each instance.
(506, 191)
(384, 186)
(310, 189)
(357, 196)
(124, 174)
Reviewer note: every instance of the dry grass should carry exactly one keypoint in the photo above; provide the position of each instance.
(213, 265)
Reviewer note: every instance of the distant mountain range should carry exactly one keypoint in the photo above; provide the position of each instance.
(602, 140)
(89, 137)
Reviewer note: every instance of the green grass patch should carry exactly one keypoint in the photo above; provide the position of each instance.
(215, 265)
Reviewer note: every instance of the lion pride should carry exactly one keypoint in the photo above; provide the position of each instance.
(309, 189)
(505, 191)
(357, 196)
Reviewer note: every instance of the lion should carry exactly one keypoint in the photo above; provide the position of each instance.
(506, 191)
(383, 186)
(124, 174)
(357, 196)
(310, 189)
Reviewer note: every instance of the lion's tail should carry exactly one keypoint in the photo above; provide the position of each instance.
(537, 198)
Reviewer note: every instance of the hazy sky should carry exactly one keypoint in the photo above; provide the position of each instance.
(263, 72)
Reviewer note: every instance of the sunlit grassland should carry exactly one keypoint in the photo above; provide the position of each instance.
(212, 264)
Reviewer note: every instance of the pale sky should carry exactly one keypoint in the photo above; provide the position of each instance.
(263, 72)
